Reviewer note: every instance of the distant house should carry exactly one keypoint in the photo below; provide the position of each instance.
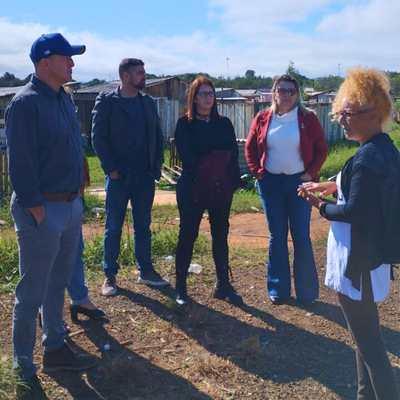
(249, 94)
(326, 96)
(226, 93)
(6, 95)
(161, 88)
(265, 95)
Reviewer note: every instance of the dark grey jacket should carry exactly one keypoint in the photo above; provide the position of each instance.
(110, 127)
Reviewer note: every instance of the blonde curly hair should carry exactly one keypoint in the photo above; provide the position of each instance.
(368, 87)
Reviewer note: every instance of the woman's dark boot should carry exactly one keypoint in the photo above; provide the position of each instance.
(224, 290)
(181, 298)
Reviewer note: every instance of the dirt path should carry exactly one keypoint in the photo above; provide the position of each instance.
(249, 230)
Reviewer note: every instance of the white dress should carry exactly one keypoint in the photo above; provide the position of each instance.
(339, 242)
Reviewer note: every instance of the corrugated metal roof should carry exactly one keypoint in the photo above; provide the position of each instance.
(109, 86)
(7, 91)
(246, 92)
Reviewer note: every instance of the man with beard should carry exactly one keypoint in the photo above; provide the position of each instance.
(129, 142)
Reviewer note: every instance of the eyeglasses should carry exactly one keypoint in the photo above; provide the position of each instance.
(289, 92)
(204, 95)
(348, 114)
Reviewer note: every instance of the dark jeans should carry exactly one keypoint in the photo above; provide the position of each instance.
(139, 190)
(376, 379)
(284, 208)
(190, 217)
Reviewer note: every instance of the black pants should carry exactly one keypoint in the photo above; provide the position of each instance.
(190, 217)
(376, 379)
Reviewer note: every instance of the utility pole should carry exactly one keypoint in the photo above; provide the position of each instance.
(339, 70)
(227, 64)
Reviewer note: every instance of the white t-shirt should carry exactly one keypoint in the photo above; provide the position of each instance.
(339, 243)
(283, 145)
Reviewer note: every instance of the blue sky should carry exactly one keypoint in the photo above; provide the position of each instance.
(199, 35)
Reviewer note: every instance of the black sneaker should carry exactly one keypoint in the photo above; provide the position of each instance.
(65, 359)
(152, 278)
(29, 389)
(109, 287)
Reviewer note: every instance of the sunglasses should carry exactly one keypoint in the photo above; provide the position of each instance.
(289, 92)
(348, 114)
(204, 95)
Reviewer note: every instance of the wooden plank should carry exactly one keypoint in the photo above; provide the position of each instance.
(171, 171)
(167, 178)
(176, 171)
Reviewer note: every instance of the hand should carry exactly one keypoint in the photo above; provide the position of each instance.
(326, 188)
(306, 177)
(38, 213)
(114, 175)
(309, 197)
(259, 176)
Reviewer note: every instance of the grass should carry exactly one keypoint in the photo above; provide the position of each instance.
(9, 262)
(97, 178)
(7, 381)
(164, 237)
(5, 214)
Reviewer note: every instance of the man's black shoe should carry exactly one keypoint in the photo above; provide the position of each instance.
(65, 359)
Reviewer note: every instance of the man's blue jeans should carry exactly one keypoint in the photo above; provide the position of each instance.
(47, 254)
(283, 208)
(139, 190)
(77, 288)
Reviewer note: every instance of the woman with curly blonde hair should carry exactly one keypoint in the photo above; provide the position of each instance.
(364, 237)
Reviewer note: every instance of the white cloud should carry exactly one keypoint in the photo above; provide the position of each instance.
(254, 34)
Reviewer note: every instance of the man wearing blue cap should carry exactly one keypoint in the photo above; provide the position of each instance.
(46, 172)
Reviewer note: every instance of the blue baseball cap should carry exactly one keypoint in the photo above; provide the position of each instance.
(53, 43)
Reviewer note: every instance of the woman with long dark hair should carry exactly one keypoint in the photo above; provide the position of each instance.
(204, 137)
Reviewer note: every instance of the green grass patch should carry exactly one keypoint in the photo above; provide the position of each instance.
(5, 213)
(246, 201)
(92, 201)
(7, 380)
(9, 262)
(97, 178)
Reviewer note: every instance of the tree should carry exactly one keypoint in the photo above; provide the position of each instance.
(10, 80)
(250, 74)
(94, 82)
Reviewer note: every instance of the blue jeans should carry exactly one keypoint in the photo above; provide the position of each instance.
(139, 190)
(77, 288)
(47, 254)
(283, 208)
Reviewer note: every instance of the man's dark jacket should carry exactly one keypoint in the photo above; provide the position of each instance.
(110, 132)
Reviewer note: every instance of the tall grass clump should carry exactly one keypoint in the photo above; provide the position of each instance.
(9, 264)
(7, 381)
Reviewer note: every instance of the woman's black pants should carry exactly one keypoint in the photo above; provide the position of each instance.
(376, 380)
(190, 215)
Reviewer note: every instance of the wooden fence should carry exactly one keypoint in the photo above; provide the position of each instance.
(5, 186)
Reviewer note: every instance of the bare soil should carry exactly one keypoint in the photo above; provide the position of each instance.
(214, 350)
